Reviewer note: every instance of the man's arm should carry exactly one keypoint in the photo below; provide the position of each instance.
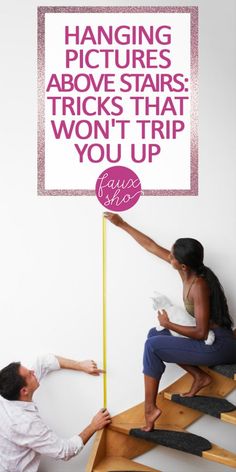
(88, 366)
(49, 362)
(38, 437)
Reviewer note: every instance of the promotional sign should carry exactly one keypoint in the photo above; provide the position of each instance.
(117, 102)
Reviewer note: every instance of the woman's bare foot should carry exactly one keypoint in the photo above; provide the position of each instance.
(199, 382)
(150, 417)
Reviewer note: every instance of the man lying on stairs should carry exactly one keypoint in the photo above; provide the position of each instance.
(24, 436)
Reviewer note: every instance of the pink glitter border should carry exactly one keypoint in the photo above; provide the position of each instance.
(194, 95)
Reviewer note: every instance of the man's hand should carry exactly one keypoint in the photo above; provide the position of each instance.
(101, 419)
(90, 367)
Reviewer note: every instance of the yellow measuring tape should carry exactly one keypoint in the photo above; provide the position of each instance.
(104, 311)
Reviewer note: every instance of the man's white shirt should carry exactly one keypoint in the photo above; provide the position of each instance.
(24, 436)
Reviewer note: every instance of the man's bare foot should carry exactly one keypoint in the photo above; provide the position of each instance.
(150, 417)
(199, 382)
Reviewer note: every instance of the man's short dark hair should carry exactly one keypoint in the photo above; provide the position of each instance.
(11, 381)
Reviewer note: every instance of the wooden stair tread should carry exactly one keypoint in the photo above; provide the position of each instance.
(229, 417)
(113, 464)
(215, 454)
(199, 403)
(125, 428)
(220, 455)
(220, 386)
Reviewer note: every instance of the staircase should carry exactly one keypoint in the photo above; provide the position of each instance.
(116, 446)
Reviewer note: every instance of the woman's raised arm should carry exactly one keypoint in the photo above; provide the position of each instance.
(144, 241)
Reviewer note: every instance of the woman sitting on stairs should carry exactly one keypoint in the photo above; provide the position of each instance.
(204, 299)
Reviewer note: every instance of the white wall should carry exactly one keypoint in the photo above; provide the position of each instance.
(50, 249)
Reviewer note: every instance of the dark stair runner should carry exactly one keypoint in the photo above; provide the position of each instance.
(228, 370)
(182, 441)
(210, 405)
